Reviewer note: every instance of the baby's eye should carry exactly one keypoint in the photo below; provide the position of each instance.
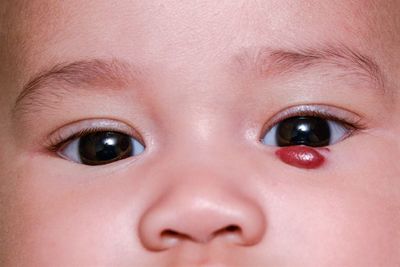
(306, 130)
(101, 147)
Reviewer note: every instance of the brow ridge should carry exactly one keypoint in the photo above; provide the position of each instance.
(280, 61)
(92, 72)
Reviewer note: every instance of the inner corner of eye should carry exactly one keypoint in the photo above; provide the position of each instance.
(269, 136)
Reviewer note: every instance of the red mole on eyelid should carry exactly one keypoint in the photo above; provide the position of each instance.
(301, 156)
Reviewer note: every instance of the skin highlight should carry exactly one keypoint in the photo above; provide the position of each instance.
(197, 83)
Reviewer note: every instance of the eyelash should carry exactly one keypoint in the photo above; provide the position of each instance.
(59, 141)
(353, 125)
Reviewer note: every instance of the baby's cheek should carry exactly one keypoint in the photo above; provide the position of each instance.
(347, 213)
(341, 228)
(369, 165)
(364, 230)
(59, 217)
(365, 212)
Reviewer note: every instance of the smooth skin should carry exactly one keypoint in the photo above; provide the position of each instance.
(205, 191)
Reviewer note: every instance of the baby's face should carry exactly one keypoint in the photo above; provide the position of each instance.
(200, 133)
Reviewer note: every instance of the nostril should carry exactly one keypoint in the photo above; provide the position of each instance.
(230, 232)
(173, 237)
(170, 238)
(232, 229)
(171, 234)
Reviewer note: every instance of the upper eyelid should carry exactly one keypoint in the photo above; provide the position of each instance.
(71, 129)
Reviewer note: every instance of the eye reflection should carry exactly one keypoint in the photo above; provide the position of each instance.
(306, 130)
(103, 147)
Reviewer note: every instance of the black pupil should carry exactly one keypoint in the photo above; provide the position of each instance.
(303, 130)
(104, 147)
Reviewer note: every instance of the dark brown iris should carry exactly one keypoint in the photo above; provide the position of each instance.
(303, 130)
(104, 147)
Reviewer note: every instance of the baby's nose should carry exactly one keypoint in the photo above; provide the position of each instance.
(201, 216)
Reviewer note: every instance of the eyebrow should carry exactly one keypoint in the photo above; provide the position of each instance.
(118, 74)
(351, 61)
(108, 73)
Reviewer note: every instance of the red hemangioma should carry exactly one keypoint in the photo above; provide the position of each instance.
(301, 156)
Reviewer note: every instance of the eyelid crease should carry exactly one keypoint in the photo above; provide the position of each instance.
(72, 131)
(350, 120)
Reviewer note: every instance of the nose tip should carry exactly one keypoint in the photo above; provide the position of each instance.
(201, 219)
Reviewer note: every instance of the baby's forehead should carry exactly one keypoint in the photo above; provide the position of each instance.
(27, 25)
(39, 18)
